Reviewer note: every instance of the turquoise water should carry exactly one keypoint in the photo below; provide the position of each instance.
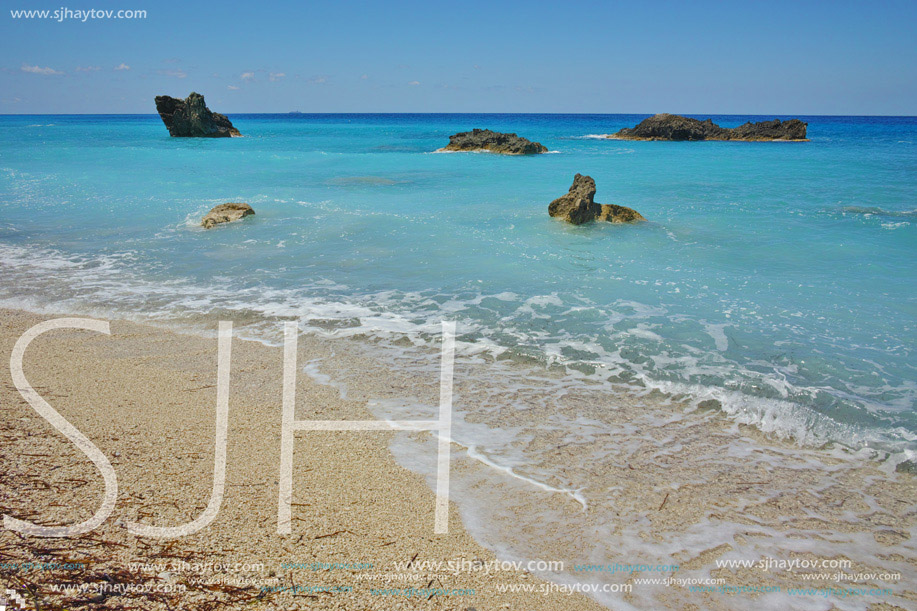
(776, 278)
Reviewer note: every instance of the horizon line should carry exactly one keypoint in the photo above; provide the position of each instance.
(296, 112)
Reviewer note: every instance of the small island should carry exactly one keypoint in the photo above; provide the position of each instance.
(679, 128)
(190, 118)
(494, 142)
(578, 206)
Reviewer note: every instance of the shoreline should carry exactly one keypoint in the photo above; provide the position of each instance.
(352, 502)
(555, 508)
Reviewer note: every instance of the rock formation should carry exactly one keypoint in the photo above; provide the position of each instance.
(226, 213)
(676, 127)
(578, 206)
(495, 142)
(190, 118)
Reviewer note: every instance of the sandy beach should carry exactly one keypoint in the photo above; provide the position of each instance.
(146, 398)
(362, 528)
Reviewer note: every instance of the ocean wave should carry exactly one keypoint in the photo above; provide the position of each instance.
(633, 353)
(875, 211)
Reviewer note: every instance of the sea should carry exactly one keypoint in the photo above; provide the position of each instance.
(772, 288)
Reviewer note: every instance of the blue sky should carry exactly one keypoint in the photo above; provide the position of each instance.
(604, 57)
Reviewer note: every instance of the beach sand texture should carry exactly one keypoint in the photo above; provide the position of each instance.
(146, 397)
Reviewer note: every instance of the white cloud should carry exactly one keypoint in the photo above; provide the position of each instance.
(122, 66)
(276, 76)
(247, 76)
(414, 83)
(231, 87)
(318, 80)
(88, 68)
(39, 70)
(364, 77)
(175, 73)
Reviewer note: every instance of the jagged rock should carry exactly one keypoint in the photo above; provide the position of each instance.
(190, 118)
(578, 206)
(794, 129)
(495, 142)
(675, 127)
(618, 214)
(226, 213)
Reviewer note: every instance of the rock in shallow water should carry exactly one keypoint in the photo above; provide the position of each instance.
(495, 142)
(578, 206)
(190, 118)
(675, 127)
(226, 213)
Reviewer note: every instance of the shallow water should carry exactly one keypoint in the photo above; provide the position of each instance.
(774, 283)
(777, 278)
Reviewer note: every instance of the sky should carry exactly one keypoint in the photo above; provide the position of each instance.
(690, 57)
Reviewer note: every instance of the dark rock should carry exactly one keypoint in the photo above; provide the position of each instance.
(495, 142)
(794, 129)
(908, 466)
(226, 213)
(190, 118)
(676, 127)
(578, 206)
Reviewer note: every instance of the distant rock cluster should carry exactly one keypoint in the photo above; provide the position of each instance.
(495, 142)
(677, 127)
(578, 206)
(190, 118)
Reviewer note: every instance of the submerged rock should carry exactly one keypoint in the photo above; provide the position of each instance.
(578, 206)
(676, 127)
(190, 118)
(495, 142)
(226, 213)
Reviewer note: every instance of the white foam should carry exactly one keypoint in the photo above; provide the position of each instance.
(719, 336)
(311, 369)
(105, 285)
(576, 495)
